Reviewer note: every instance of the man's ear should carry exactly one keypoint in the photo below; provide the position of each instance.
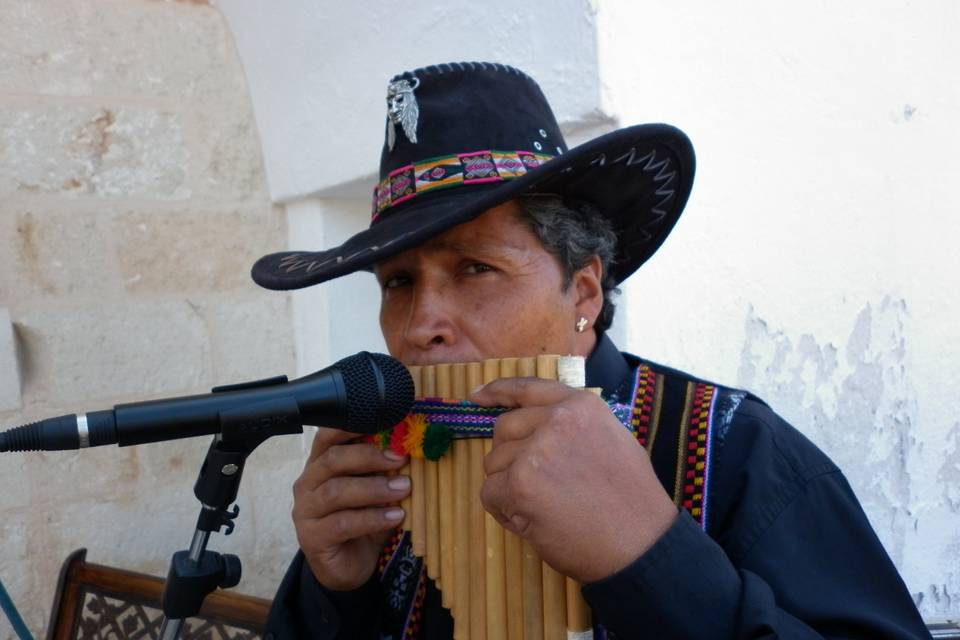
(587, 283)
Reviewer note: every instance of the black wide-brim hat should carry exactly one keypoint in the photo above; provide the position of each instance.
(462, 138)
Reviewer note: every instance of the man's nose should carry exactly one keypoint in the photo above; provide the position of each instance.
(431, 320)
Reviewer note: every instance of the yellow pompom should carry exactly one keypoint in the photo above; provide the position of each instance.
(417, 424)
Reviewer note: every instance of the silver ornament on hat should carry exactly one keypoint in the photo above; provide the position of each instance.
(402, 109)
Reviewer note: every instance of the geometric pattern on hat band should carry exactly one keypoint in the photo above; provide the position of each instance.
(455, 170)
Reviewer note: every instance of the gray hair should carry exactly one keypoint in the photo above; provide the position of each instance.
(574, 232)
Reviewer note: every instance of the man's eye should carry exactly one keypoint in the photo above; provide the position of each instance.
(395, 281)
(479, 267)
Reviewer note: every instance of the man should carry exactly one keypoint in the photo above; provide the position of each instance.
(708, 517)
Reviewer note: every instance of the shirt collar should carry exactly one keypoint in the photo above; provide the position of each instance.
(607, 368)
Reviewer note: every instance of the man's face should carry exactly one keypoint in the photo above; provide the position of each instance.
(484, 289)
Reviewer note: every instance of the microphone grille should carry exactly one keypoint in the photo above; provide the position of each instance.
(379, 391)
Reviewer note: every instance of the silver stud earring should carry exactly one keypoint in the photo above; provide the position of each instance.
(581, 324)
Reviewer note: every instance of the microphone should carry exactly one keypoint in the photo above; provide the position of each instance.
(364, 393)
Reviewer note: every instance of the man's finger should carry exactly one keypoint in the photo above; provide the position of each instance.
(495, 497)
(348, 459)
(343, 526)
(338, 494)
(519, 424)
(326, 438)
(502, 456)
(521, 392)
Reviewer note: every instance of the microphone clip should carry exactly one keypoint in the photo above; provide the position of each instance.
(213, 519)
(195, 573)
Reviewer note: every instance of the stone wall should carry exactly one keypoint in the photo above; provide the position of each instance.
(133, 200)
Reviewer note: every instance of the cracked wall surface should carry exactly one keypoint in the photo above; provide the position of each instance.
(133, 201)
(854, 400)
(857, 400)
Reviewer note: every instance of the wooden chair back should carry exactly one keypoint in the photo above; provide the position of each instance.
(96, 601)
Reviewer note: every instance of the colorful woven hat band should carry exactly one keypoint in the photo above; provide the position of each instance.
(455, 170)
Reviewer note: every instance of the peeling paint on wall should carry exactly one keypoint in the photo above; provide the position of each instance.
(949, 472)
(937, 598)
(854, 400)
(853, 396)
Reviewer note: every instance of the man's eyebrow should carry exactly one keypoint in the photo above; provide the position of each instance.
(466, 247)
(497, 249)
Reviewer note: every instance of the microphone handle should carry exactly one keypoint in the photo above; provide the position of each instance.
(323, 398)
(62, 433)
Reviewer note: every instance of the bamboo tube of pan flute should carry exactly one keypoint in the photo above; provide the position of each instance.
(458, 536)
(554, 583)
(478, 547)
(445, 500)
(495, 566)
(431, 494)
(465, 541)
(532, 569)
(407, 470)
(506, 552)
(418, 484)
(572, 373)
(462, 603)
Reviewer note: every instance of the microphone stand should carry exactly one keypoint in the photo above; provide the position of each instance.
(196, 572)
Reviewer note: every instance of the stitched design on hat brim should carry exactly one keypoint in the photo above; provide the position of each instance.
(661, 176)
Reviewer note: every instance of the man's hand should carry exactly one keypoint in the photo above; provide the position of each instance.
(342, 507)
(565, 475)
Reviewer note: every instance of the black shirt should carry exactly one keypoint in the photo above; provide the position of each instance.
(787, 552)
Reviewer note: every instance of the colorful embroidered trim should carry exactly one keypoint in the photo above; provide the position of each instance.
(403, 578)
(412, 629)
(387, 554)
(693, 468)
(463, 418)
(643, 403)
(460, 169)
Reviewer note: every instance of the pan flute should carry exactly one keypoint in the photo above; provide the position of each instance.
(493, 583)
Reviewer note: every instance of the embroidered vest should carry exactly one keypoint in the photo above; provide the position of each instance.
(674, 417)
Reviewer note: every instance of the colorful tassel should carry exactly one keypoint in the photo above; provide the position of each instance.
(417, 438)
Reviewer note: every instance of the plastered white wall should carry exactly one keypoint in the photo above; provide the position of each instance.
(339, 318)
(815, 264)
(318, 71)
